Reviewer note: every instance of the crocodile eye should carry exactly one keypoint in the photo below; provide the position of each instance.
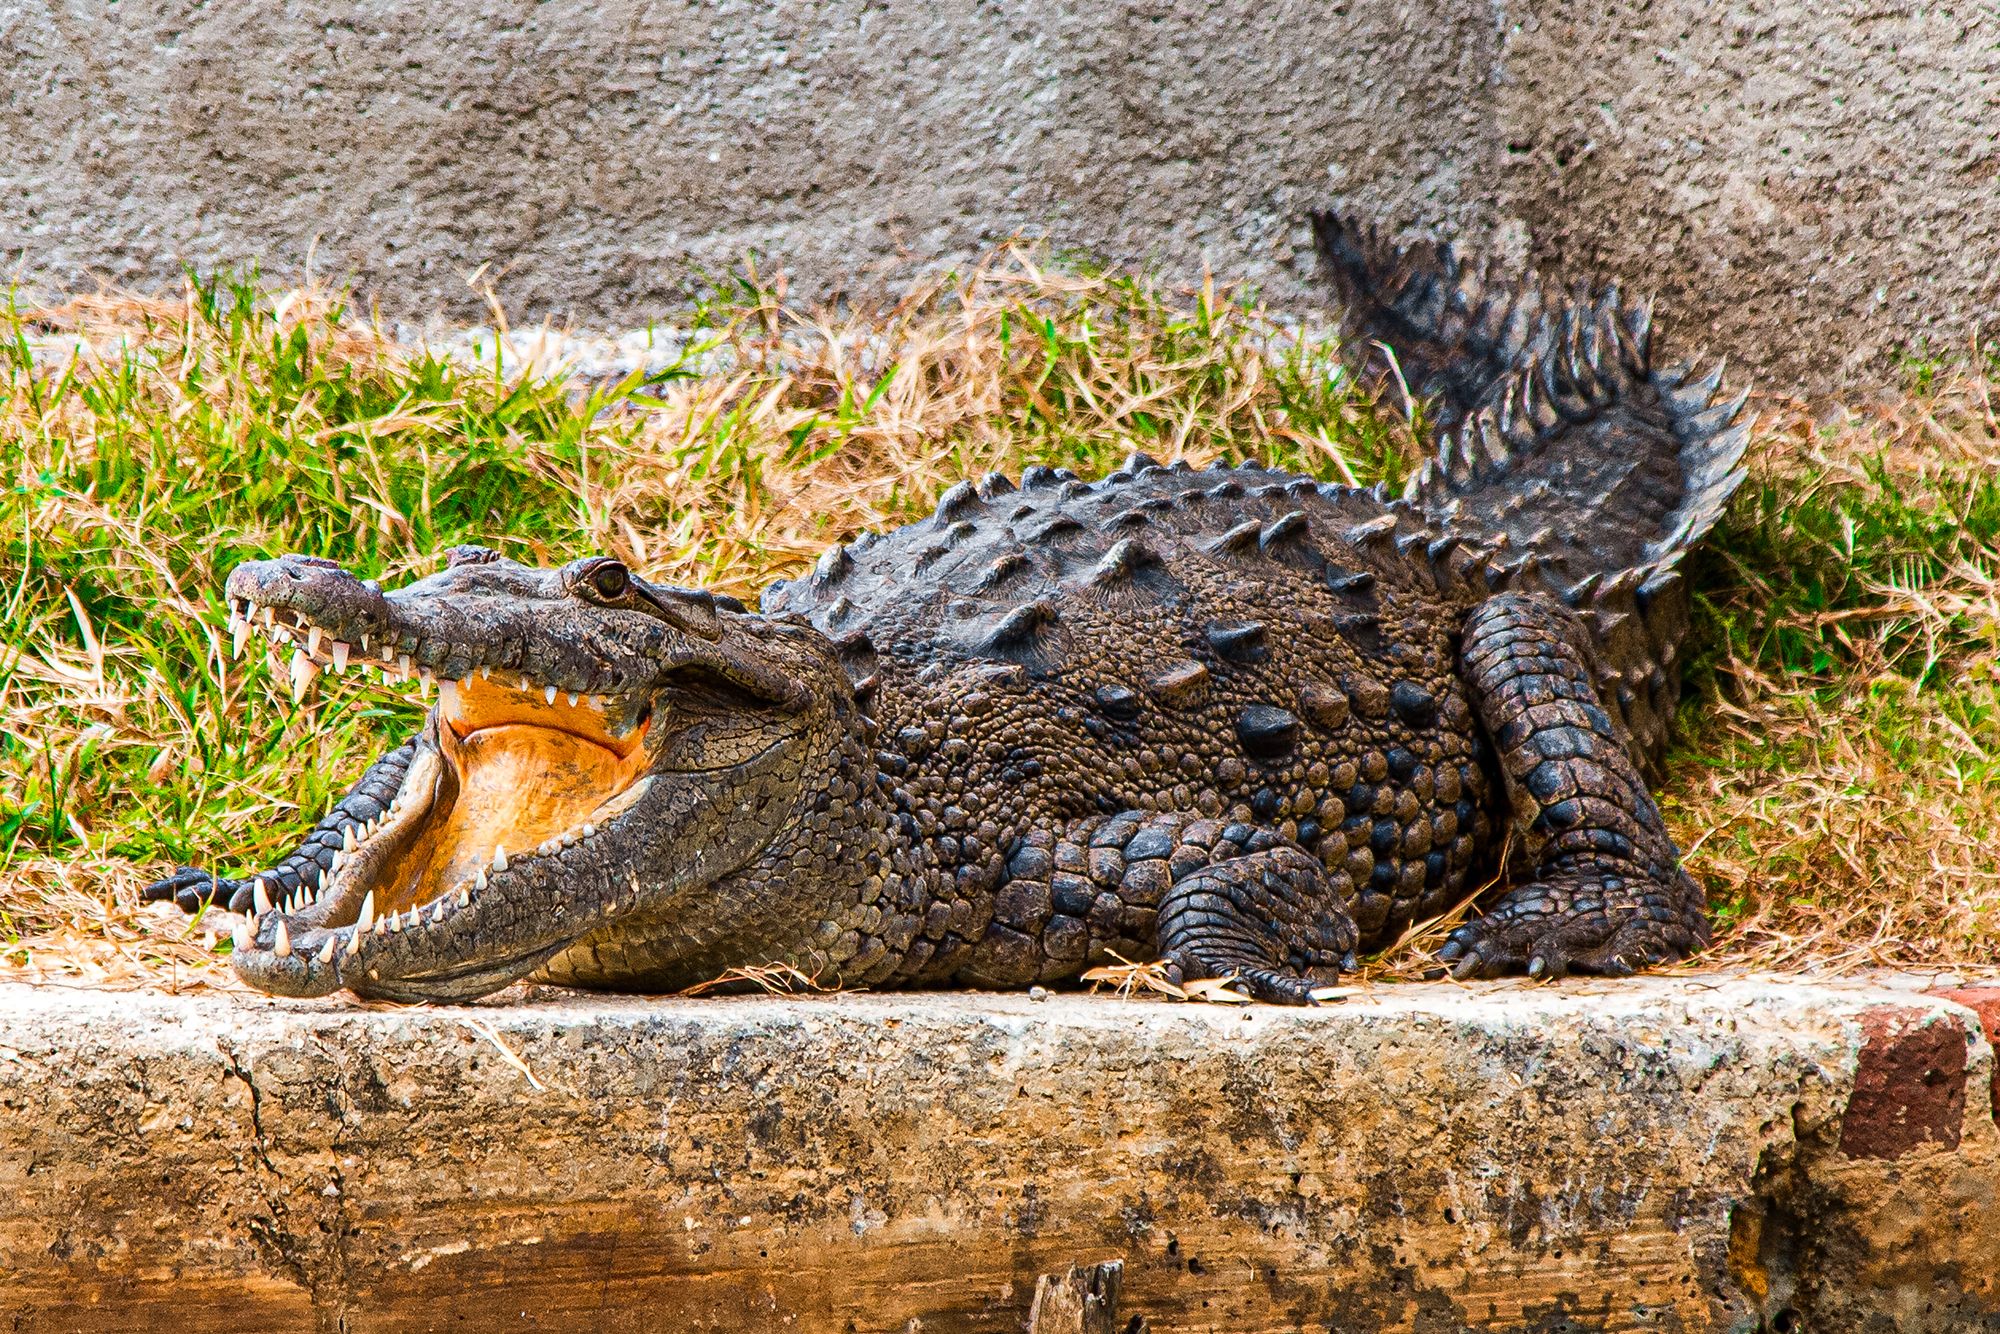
(610, 580)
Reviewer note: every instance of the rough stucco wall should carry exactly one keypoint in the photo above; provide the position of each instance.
(1657, 1154)
(1803, 185)
(599, 150)
(1806, 184)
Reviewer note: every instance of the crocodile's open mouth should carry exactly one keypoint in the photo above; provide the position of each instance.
(505, 771)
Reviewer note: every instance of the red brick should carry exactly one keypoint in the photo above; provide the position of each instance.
(1984, 1002)
(1909, 1085)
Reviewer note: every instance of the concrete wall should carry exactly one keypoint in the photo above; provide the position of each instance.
(1808, 184)
(1804, 184)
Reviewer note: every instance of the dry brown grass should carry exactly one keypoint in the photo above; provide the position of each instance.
(1850, 816)
(1835, 790)
(995, 371)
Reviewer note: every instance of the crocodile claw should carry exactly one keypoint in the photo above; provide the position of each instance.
(191, 889)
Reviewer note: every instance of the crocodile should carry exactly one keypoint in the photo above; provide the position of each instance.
(1231, 721)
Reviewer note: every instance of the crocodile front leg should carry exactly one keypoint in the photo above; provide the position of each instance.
(1609, 893)
(193, 888)
(1218, 899)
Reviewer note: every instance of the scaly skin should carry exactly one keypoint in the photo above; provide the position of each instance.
(1230, 719)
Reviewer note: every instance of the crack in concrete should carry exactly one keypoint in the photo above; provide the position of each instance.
(327, 1286)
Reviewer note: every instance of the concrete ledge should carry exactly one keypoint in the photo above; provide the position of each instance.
(1654, 1154)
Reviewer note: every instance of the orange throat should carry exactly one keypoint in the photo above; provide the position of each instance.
(519, 770)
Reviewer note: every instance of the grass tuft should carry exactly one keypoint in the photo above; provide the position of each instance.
(1833, 783)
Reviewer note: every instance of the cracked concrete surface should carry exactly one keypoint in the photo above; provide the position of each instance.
(1660, 1154)
(1807, 186)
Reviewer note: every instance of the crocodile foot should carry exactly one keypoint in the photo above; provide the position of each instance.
(1268, 920)
(192, 889)
(1604, 924)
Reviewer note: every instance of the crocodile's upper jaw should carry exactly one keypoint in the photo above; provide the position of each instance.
(518, 785)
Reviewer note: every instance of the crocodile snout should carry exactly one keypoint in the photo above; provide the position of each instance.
(312, 587)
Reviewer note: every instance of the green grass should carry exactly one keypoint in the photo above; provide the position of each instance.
(1841, 755)
(1838, 745)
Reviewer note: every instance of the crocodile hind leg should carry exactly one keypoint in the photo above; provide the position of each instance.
(1609, 894)
(1218, 899)
(193, 888)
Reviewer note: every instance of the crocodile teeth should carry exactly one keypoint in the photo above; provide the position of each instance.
(588, 829)
(326, 950)
(572, 699)
(448, 696)
(396, 923)
(239, 635)
(354, 944)
(548, 847)
(282, 947)
(403, 667)
(250, 925)
(465, 898)
(362, 643)
(479, 880)
(313, 637)
(549, 694)
(339, 860)
(526, 685)
(240, 937)
(303, 671)
(260, 898)
(339, 656)
(270, 618)
(485, 673)
(499, 858)
(348, 842)
(367, 917)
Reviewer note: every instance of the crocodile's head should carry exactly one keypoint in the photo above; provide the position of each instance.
(599, 746)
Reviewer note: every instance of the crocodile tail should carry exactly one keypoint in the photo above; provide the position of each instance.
(1582, 468)
(1427, 318)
